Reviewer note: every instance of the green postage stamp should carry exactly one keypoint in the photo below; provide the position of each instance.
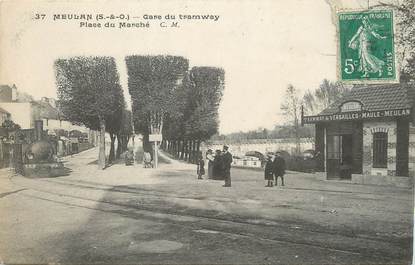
(366, 46)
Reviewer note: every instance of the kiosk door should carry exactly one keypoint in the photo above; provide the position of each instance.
(339, 156)
(333, 156)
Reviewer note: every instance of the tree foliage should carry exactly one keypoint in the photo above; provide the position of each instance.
(151, 83)
(291, 109)
(328, 92)
(204, 87)
(10, 126)
(405, 37)
(89, 89)
(89, 93)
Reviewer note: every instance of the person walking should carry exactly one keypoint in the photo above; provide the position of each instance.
(279, 168)
(269, 170)
(227, 162)
(200, 166)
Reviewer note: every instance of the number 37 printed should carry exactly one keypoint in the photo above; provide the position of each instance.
(40, 16)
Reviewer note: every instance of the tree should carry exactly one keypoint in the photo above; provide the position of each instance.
(89, 93)
(152, 81)
(321, 98)
(10, 126)
(195, 117)
(114, 126)
(204, 87)
(405, 37)
(125, 132)
(291, 108)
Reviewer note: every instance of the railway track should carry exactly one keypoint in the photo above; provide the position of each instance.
(274, 232)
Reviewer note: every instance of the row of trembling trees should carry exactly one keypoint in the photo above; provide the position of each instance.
(179, 102)
(90, 93)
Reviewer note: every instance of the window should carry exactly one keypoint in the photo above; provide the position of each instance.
(380, 149)
(351, 106)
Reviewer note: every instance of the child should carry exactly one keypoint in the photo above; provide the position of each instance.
(200, 167)
(269, 166)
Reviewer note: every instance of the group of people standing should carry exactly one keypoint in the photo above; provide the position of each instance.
(219, 165)
(274, 168)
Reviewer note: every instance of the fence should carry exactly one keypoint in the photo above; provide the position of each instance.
(186, 150)
(5, 150)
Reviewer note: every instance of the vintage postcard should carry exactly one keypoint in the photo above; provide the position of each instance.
(207, 132)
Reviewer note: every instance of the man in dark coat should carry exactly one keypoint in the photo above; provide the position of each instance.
(217, 170)
(227, 162)
(279, 168)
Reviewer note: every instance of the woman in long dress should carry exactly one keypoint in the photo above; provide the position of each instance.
(361, 41)
(210, 158)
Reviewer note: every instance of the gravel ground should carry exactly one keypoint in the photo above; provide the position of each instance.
(165, 215)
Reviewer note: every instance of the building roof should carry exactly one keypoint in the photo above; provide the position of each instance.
(377, 97)
(47, 111)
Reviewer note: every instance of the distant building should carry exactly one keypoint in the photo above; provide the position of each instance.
(24, 111)
(4, 115)
(368, 136)
(8, 93)
(20, 113)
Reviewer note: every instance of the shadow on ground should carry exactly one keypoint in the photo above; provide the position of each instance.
(147, 231)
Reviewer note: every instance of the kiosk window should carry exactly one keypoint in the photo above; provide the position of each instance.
(380, 150)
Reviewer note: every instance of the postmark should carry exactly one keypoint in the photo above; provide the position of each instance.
(366, 47)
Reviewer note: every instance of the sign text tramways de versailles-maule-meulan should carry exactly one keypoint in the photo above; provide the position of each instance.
(357, 115)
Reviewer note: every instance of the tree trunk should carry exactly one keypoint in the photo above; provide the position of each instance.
(111, 157)
(119, 147)
(195, 153)
(182, 150)
(125, 143)
(101, 154)
(197, 149)
(191, 151)
(187, 150)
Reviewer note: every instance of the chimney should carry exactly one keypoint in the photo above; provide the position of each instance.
(14, 93)
(38, 129)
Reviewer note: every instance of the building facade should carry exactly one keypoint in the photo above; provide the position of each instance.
(368, 136)
(4, 116)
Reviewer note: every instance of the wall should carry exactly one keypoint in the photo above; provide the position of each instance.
(263, 146)
(368, 128)
(20, 113)
(65, 125)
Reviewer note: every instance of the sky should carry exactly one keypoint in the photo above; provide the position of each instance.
(262, 45)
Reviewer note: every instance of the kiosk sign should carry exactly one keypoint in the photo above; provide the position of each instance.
(357, 115)
(366, 46)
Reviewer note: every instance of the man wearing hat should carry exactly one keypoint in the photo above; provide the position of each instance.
(279, 168)
(227, 162)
